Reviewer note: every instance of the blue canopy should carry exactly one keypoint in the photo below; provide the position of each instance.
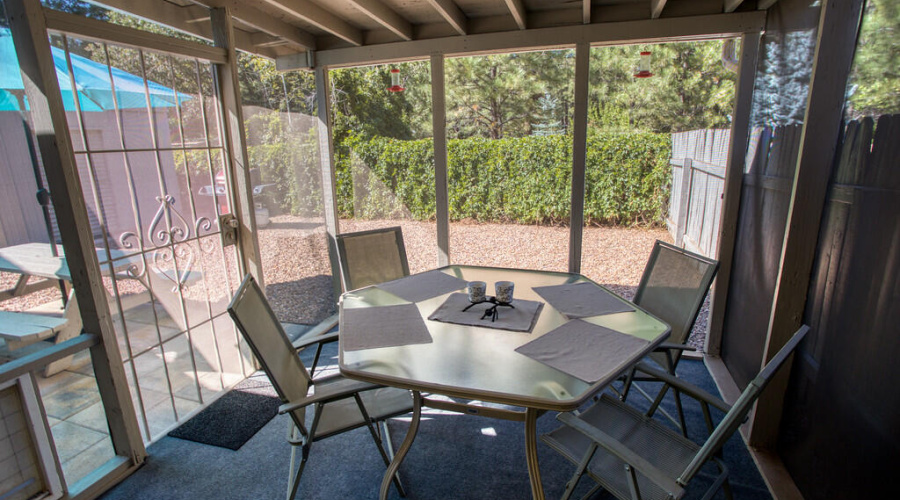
(91, 79)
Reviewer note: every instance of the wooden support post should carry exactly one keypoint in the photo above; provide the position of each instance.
(48, 115)
(439, 127)
(838, 28)
(238, 165)
(734, 179)
(326, 164)
(579, 154)
(684, 200)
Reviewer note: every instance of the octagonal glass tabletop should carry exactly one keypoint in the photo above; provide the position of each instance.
(481, 363)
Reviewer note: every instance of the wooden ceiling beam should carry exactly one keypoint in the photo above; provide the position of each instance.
(385, 16)
(265, 22)
(586, 11)
(731, 5)
(320, 18)
(610, 33)
(765, 4)
(452, 14)
(266, 40)
(518, 12)
(656, 8)
(183, 19)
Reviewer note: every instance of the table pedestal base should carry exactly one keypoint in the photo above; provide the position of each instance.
(529, 416)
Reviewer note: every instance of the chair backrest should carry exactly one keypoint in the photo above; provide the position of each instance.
(733, 419)
(372, 257)
(673, 287)
(260, 328)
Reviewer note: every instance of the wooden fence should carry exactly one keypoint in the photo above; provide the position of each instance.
(765, 203)
(698, 180)
(844, 376)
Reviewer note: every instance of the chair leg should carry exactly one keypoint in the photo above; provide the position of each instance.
(582, 466)
(626, 387)
(677, 394)
(294, 480)
(378, 444)
(632, 482)
(726, 488)
(386, 437)
(296, 483)
(292, 437)
(307, 442)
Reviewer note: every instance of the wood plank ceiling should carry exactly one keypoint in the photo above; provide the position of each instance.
(275, 28)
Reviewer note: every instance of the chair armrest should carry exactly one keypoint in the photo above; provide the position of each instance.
(671, 346)
(624, 453)
(344, 389)
(304, 342)
(691, 390)
(323, 327)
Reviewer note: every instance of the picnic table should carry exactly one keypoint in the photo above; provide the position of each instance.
(36, 260)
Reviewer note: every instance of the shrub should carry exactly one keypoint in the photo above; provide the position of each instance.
(525, 180)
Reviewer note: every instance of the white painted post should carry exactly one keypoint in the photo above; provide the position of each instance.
(326, 164)
(439, 127)
(579, 155)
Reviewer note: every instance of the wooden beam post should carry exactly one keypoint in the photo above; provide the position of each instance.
(579, 154)
(238, 165)
(733, 183)
(439, 128)
(326, 164)
(835, 45)
(48, 115)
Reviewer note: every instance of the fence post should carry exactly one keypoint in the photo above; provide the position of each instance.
(684, 202)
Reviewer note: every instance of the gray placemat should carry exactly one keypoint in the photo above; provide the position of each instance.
(423, 286)
(387, 326)
(520, 319)
(581, 300)
(584, 350)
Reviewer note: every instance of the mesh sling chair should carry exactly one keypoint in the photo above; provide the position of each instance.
(633, 456)
(333, 403)
(365, 258)
(371, 257)
(672, 288)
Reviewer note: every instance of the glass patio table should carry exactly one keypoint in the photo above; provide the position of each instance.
(478, 363)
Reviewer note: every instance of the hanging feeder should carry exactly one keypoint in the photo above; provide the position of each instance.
(643, 69)
(395, 81)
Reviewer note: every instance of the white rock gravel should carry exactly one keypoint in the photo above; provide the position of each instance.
(298, 276)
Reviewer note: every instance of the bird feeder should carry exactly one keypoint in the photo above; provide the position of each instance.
(643, 69)
(395, 81)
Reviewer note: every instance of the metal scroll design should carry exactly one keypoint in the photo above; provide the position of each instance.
(168, 232)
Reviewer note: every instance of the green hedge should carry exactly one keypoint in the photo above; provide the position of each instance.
(526, 180)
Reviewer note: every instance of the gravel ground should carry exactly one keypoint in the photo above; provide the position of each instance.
(298, 276)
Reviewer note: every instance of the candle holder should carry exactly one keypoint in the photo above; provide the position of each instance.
(490, 311)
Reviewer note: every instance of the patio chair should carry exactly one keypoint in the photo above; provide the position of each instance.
(365, 258)
(634, 456)
(334, 404)
(372, 257)
(672, 288)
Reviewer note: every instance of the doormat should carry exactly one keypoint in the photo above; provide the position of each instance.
(233, 419)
